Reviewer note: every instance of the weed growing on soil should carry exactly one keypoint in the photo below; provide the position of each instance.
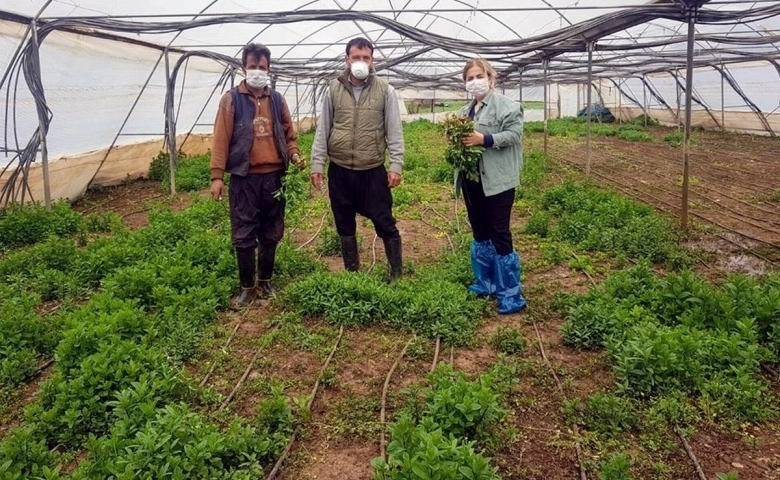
(440, 308)
(682, 334)
(437, 433)
(596, 220)
(24, 225)
(508, 340)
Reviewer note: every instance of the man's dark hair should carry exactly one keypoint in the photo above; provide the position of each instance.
(256, 50)
(360, 43)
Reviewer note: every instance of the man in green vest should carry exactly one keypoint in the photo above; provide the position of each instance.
(359, 121)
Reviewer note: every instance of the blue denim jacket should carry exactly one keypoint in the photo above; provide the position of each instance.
(500, 119)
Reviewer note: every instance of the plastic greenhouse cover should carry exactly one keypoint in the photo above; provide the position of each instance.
(91, 83)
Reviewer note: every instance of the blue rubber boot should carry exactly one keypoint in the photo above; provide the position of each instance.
(482, 263)
(509, 291)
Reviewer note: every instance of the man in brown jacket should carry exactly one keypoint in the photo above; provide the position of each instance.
(254, 141)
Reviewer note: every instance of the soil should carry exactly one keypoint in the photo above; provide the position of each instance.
(131, 201)
(342, 436)
(734, 181)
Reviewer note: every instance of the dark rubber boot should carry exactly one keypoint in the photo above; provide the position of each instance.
(246, 275)
(393, 251)
(265, 269)
(349, 251)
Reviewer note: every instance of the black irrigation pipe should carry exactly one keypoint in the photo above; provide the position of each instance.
(241, 380)
(752, 183)
(385, 388)
(713, 201)
(740, 181)
(286, 453)
(436, 354)
(227, 344)
(578, 446)
(690, 453)
(48, 363)
(584, 271)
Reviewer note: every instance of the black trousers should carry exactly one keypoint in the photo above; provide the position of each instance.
(489, 216)
(361, 191)
(255, 215)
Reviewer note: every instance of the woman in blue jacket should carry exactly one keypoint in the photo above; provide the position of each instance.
(499, 128)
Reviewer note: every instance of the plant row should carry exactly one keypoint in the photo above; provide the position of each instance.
(681, 334)
(118, 390)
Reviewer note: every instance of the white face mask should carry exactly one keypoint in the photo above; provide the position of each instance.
(478, 87)
(257, 78)
(359, 70)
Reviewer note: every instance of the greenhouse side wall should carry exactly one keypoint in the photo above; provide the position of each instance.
(71, 175)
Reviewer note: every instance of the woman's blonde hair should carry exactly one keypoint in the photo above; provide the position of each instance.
(484, 65)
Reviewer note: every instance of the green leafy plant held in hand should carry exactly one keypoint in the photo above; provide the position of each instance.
(462, 158)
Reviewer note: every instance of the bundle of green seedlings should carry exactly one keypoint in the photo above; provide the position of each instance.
(462, 158)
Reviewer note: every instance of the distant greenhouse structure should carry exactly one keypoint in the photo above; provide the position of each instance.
(93, 90)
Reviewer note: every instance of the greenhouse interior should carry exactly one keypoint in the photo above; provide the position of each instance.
(633, 334)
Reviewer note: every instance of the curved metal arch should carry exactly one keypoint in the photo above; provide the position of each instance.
(490, 15)
(269, 26)
(416, 25)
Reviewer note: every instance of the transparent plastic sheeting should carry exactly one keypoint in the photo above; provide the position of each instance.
(91, 84)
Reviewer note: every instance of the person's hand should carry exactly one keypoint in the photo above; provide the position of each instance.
(473, 139)
(316, 180)
(217, 187)
(393, 179)
(299, 161)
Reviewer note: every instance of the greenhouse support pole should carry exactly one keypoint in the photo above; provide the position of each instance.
(558, 103)
(722, 99)
(546, 64)
(433, 106)
(297, 108)
(677, 92)
(169, 127)
(42, 128)
(314, 103)
(620, 101)
(520, 87)
(644, 102)
(579, 97)
(688, 104)
(589, 107)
